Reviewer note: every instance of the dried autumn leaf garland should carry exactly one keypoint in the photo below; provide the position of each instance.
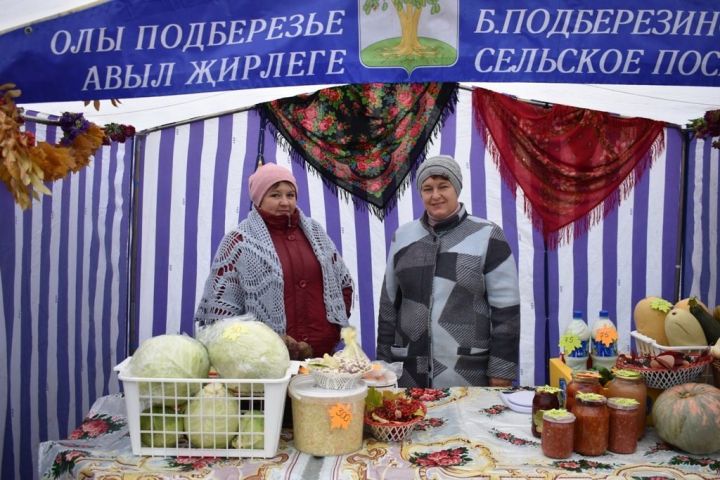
(25, 164)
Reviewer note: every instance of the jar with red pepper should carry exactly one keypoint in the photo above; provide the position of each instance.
(585, 381)
(592, 422)
(546, 398)
(557, 433)
(622, 432)
(630, 384)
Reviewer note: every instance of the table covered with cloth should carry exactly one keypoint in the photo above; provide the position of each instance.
(467, 433)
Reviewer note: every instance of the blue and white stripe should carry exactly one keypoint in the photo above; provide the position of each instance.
(63, 299)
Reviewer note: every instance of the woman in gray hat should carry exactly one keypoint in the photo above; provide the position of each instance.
(450, 302)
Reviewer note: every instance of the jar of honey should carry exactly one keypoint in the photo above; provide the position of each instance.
(592, 421)
(585, 381)
(630, 384)
(546, 398)
(623, 424)
(557, 434)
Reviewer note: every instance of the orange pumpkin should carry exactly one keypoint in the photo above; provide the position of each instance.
(688, 417)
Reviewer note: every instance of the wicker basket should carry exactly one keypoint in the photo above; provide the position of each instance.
(332, 380)
(662, 378)
(392, 432)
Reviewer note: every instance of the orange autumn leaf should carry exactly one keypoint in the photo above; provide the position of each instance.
(340, 415)
(606, 335)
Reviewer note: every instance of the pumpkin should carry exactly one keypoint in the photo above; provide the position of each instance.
(688, 417)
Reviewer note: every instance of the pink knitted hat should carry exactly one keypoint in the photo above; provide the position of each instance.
(265, 177)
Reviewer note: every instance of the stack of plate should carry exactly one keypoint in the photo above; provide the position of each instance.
(520, 401)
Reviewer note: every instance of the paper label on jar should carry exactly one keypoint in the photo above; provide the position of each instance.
(340, 415)
(538, 420)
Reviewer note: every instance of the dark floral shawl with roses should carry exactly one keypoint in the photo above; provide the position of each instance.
(364, 138)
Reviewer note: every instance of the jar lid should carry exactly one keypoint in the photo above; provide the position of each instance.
(585, 375)
(303, 386)
(590, 397)
(547, 389)
(559, 415)
(627, 374)
(623, 403)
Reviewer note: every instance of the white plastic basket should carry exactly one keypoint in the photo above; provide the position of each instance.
(242, 402)
(648, 346)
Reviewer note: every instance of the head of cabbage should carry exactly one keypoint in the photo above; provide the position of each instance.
(161, 427)
(243, 348)
(169, 356)
(212, 417)
(252, 431)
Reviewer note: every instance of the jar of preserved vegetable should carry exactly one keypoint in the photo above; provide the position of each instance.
(630, 384)
(546, 398)
(585, 381)
(591, 424)
(623, 424)
(557, 433)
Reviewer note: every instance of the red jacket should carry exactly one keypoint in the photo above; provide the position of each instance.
(303, 285)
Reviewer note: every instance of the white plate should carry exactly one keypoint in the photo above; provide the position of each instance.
(520, 402)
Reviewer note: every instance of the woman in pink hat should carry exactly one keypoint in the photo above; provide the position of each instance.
(280, 266)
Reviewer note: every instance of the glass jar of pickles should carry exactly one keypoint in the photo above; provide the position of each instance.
(623, 424)
(546, 398)
(591, 424)
(630, 384)
(585, 381)
(557, 433)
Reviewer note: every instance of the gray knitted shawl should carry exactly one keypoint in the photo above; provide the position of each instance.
(246, 275)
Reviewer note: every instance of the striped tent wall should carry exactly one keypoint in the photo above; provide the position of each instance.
(64, 263)
(630, 255)
(701, 265)
(192, 180)
(63, 298)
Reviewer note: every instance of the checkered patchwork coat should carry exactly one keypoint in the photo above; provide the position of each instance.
(450, 303)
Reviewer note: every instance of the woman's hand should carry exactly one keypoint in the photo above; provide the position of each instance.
(499, 382)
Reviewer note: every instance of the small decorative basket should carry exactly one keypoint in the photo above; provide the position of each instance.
(392, 431)
(662, 378)
(333, 380)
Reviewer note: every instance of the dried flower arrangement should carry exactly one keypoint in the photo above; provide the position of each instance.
(26, 164)
(707, 126)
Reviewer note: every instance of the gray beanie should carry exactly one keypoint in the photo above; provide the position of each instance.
(442, 165)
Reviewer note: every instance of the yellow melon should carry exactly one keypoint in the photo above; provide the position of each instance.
(683, 329)
(684, 304)
(649, 316)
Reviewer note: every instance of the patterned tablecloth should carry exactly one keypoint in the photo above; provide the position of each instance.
(468, 433)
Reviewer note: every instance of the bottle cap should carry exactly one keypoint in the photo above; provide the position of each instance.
(577, 314)
(604, 314)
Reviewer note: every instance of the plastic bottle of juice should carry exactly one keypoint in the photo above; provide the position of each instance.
(577, 330)
(603, 350)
